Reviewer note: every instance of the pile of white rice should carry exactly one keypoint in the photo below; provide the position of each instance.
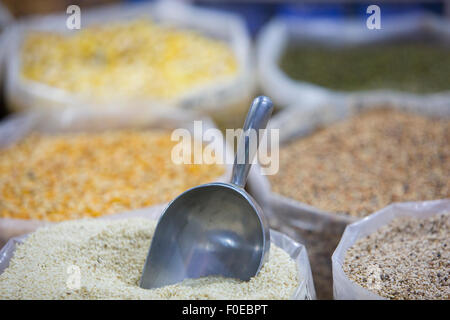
(110, 255)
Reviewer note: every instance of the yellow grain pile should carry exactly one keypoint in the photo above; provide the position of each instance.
(71, 176)
(132, 59)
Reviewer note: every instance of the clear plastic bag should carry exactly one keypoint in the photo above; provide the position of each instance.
(18, 126)
(318, 230)
(226, 102)
(284, 91)
(304, 290)
(343, 287)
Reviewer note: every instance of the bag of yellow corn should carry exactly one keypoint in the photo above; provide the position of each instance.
(65, 166)
(399, 252)
(131, 55)
(339, 163)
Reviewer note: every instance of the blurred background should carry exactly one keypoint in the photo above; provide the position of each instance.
(255, 14)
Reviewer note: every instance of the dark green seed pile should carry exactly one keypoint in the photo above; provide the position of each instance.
(413, 67)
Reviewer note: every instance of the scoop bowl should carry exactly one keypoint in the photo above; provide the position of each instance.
(215, 229)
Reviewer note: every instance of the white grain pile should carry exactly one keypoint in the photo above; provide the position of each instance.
(407, 259)
(110, 255)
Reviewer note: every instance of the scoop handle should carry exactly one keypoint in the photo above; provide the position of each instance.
(257, 118)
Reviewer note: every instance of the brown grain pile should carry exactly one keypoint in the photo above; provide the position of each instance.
(77, 175)
(360, 165)
(406, 259)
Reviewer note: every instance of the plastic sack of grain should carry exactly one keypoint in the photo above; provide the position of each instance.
(18, 127)
(319, 230)
(281, 33)
(225, 100)
(346, 289)
(303, 291)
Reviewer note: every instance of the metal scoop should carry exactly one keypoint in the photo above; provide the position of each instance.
(215, 229)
